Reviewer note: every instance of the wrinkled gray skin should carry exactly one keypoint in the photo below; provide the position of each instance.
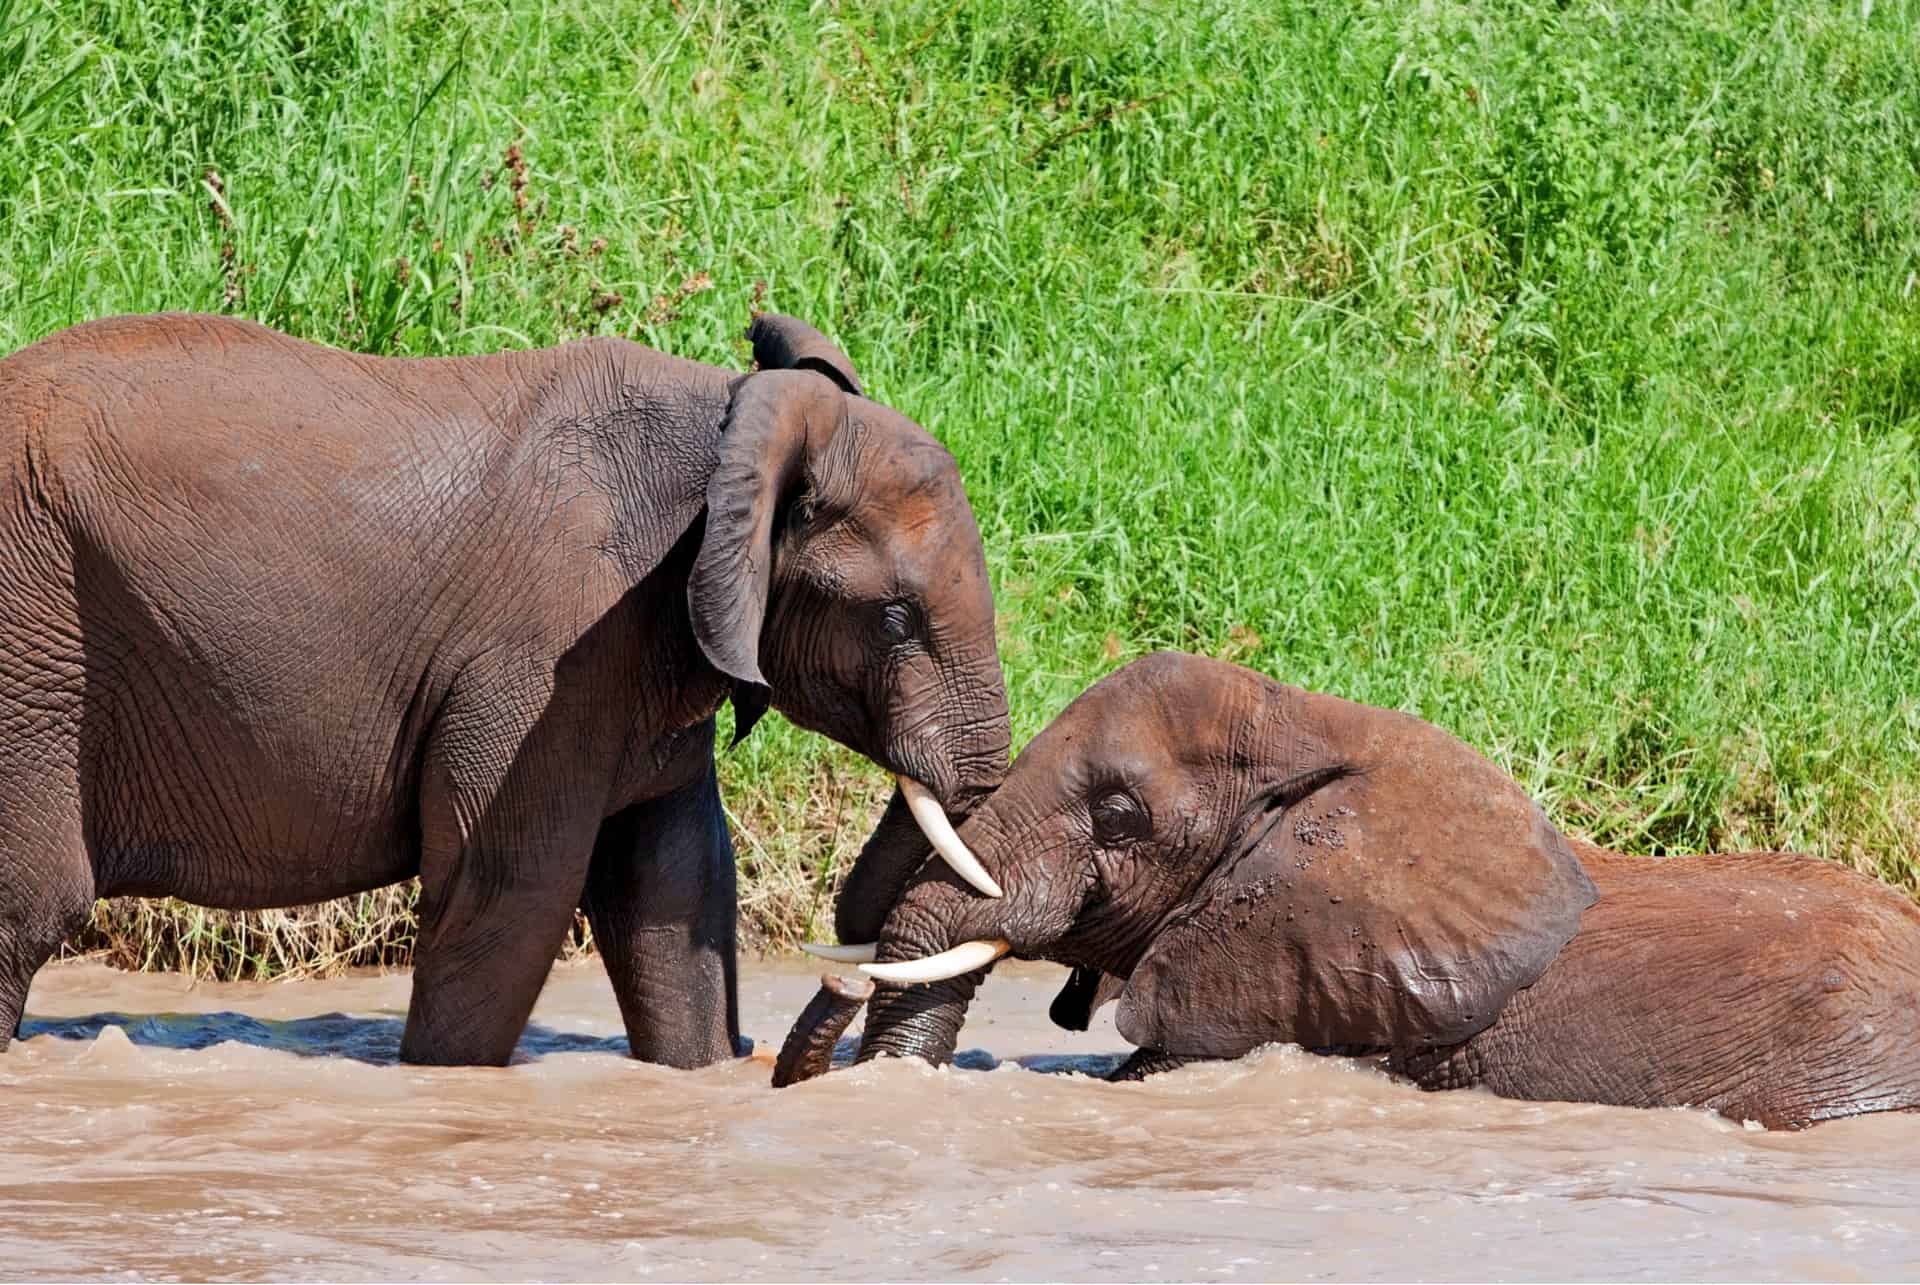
(280, 623)
(1241, 862)
(1767, 986)
(1259, 863)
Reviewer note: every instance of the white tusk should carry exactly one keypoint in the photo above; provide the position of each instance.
(964, 958)
(932, 820)
(842, 954)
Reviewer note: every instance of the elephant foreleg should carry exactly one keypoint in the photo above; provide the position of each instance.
(487, 943)
(1144, 1062)
(504, 856)
(660, 897)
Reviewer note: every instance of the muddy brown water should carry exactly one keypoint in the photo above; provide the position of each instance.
(157, 1129)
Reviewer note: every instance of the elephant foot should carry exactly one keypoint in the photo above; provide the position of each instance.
(808, 1051)
(1145, 1062)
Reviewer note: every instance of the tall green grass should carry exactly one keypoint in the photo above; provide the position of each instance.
(1549, 371)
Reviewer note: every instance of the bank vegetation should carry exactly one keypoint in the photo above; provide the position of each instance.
(1549, 371)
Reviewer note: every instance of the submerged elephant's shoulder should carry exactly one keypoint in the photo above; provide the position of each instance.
(1804, 892)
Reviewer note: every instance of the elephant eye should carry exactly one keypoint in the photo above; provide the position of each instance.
(896, 622)
(1117, 817)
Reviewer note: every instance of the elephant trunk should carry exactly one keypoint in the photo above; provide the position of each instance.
(940, 937)
(923, 1019)
(919, 1021)
(808, 1051)
(887, 860)
(903, 1019)
(938, 927)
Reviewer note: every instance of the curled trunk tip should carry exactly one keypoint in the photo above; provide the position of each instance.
(808, 1051)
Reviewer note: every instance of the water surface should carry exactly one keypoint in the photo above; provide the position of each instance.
(159, 1129)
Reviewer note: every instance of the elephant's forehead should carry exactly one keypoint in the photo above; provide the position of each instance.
(922, 516)
(1137, 743)
(909, 491)
(1161, 707)
(910, 459)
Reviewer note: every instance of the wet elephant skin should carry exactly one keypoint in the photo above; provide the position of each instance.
(1240, 863)
(280, 623)
(1767, 986)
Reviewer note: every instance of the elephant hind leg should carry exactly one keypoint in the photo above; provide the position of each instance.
(661, 899)
(46, 892)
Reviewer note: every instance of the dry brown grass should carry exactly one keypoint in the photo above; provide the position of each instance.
(795, 839)
(795, 836)
(373, 929)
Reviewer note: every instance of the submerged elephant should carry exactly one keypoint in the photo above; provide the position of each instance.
(1243, 862)
(280, 623)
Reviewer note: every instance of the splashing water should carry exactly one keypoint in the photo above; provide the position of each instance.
(160, 1129)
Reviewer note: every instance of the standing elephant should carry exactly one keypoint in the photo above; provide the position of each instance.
(1243, 862)
(280, 623)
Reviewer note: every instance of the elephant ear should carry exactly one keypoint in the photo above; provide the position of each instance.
(776, 422)
(1390, 889)
(787, 343)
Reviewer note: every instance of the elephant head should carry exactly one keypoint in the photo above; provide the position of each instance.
(1245, 863)
(840, 579)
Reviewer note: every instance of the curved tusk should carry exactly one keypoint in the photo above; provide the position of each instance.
(842, 954)
(932, 820)
(964, 958)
